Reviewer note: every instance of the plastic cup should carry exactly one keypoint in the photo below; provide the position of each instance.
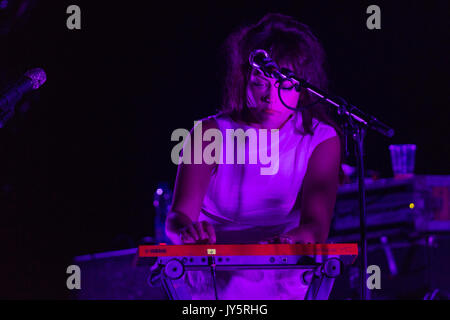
(403, 159)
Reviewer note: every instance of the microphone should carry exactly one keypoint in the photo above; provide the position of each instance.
(31, 80)
(259, 59)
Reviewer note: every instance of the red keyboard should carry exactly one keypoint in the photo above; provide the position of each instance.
(321, 262)
(247, 250)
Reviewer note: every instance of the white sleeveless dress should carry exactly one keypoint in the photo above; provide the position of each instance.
(245, 206)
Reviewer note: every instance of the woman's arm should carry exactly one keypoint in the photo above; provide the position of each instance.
(319, 193)
(190, 188)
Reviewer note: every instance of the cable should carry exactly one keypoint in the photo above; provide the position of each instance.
(213, 275)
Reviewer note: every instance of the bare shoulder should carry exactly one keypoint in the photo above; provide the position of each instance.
(325, 159)
(322, 130)
(208, 123)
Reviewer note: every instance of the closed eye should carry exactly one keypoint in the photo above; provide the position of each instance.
(258, 84)
(287, 85)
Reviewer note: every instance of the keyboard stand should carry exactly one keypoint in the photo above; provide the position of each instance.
(319, 276)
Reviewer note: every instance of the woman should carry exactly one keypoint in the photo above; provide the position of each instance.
(235, 203)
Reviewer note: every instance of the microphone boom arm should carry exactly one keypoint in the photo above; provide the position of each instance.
(357, 120)
(259, 59)
(355, 114)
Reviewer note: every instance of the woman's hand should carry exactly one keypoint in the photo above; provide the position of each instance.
(281, 239)
(198, 232)
(300, 235)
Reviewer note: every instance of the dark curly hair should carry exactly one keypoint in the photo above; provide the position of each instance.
(289, 42)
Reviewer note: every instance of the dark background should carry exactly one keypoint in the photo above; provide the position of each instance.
(79, 168)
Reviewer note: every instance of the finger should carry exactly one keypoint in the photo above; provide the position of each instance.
(192, 232)
(201, 233)
(186, 237)
(210, 231)
(286, 239)
(282, 240)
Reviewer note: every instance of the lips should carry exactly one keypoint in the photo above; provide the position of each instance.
(271, 111)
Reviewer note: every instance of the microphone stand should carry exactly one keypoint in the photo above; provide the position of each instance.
(353, 118)
(358, 122)
(6, 113)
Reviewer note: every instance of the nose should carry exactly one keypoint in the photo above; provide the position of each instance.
(271, 94)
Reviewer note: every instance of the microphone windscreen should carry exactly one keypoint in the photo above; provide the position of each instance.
(37, 77)
(258, 58)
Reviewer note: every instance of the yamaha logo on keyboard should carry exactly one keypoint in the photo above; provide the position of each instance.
(158, 250)
(211, 251)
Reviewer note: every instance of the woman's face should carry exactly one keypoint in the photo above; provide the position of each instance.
(262, 93)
